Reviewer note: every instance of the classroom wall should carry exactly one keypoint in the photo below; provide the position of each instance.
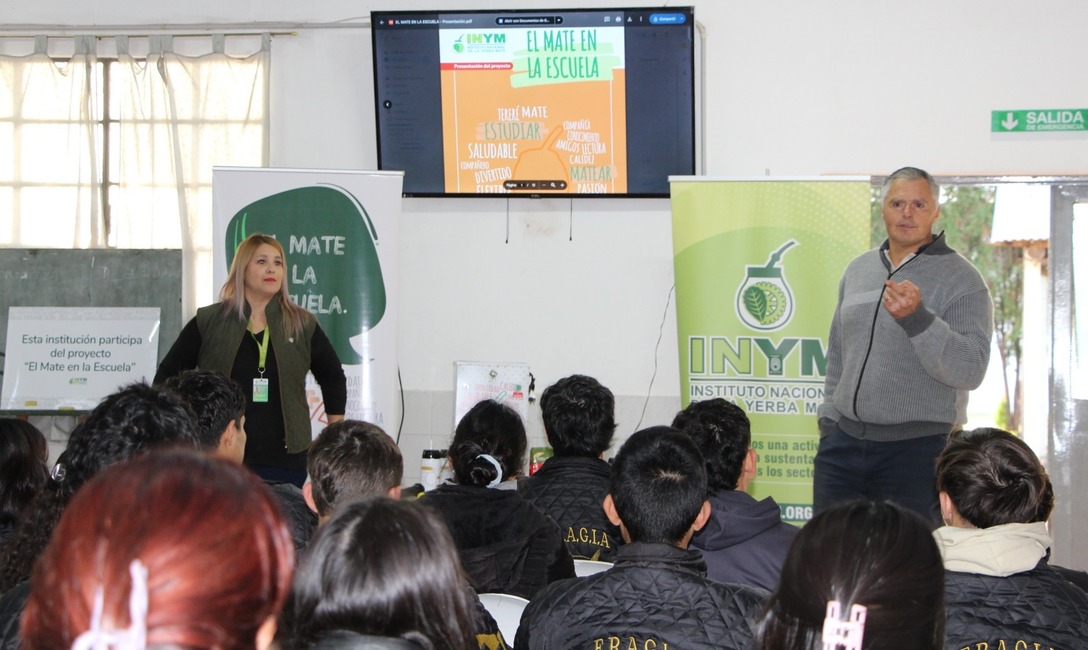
(792, 87)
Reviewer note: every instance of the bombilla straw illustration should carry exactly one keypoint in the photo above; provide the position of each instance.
(777, 255)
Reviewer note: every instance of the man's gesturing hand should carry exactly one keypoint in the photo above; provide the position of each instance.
(901, 298)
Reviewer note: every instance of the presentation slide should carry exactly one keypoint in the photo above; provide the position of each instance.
(574, 102)
(537, 108)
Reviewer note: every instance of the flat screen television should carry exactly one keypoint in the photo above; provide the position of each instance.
(570, 102)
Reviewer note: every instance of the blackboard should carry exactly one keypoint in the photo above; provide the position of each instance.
(99, 277)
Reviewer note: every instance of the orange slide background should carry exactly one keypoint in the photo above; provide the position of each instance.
(471, 98)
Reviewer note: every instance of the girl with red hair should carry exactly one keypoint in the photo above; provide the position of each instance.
(174, 548)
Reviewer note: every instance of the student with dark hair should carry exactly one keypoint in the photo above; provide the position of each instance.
(219, 405)
(23, 452)
(861, 574)
(220, 409)
(579, 421)
(506, 544)
(348, 461)
(381, 567)
(174, 549)
(744, 540)
(352, 461)
(1000, 588)
(656, 595)
(129, 422)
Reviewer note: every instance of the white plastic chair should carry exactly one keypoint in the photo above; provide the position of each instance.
(506, 610)
(584, 568)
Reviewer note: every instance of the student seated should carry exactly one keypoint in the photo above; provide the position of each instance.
(745, 540)
(348, 461)
(382, 568)
(132, 421)
(656, 595)
(220, 406)
(579, 421)
(506, 544)
(351, 461)
(174, 549)
(23, 452)
(860, 575)
(1000, 588)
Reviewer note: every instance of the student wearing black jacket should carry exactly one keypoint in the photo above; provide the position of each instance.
(656, 595)
(1000, 589)
(505, 543)
(570, 487)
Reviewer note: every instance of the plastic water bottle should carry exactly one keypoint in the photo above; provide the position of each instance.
(430, 468)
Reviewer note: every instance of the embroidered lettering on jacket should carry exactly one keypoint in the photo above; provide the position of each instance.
(587, 536)
(491, 641)
(628, 643)
(1002, 644)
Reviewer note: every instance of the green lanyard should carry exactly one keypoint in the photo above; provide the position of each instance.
(262, 347)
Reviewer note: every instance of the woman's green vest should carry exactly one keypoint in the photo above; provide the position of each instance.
(221, 334)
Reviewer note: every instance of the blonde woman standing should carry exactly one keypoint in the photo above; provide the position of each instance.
(260, 338)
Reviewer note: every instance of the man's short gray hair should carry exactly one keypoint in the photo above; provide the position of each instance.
(912, 174)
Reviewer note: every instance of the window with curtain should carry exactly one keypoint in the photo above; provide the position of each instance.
(110, 141)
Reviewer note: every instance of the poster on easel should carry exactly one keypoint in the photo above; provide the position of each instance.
(506, 383)
(339, 230)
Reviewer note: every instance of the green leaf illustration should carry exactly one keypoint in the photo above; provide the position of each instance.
(755, 301)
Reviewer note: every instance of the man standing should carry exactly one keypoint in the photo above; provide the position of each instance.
(909, 339)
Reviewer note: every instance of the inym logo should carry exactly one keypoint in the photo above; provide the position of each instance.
(764, 300)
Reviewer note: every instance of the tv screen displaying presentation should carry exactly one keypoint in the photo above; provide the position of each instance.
(586, 102)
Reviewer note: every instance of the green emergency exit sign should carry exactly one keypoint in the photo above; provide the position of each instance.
(1052, 119)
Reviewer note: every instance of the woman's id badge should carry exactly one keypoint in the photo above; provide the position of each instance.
(260, 390)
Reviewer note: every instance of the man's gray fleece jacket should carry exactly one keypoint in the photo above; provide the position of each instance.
(890, 379)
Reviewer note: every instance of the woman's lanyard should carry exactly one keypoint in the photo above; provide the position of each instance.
(260, 384)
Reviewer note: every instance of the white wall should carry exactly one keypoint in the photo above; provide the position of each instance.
(793, 87)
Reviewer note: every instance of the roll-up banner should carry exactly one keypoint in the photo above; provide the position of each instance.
(757, 264)
(339, 230)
